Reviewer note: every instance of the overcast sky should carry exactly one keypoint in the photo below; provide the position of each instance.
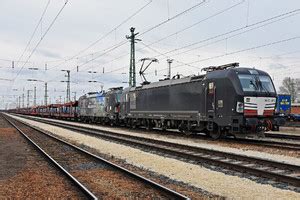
(256, 33)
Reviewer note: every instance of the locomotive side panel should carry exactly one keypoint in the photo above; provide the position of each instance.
(178, 101)
(112, 105)
(224, 102)
(92, 106)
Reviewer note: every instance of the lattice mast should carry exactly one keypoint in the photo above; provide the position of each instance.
(132, 73)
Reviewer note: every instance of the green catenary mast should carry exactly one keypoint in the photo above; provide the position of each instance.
(132, 76)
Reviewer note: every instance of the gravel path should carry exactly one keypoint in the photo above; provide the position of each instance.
(25, 174)
(212, 181)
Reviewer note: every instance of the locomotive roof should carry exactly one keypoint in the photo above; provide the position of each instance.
(93, 94)
(214, 74)
(245, 70)
(169, 82)
(230, 71)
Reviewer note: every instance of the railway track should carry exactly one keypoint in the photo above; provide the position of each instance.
(283, 136)
(275, 172)
(292, 124)
(52, 161)
(269, 143)
(22, 159)
(77, 164)
(285, 145)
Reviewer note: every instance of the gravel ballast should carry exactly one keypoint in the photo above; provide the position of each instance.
(197, 143)
(26, 174)
(212, 181)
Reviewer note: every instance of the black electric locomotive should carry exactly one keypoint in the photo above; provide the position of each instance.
(225, 101)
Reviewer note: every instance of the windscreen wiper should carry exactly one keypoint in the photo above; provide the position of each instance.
(254, 85)
(259, 83)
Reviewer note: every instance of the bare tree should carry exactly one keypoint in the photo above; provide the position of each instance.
(289, 87)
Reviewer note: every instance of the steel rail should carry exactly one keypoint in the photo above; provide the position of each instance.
(272, 144)
(160, 187)
(259, 142)
(283, 136)
(240, 162)
(65, 172)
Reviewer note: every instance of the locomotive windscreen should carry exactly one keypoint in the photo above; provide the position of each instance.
(256, 83)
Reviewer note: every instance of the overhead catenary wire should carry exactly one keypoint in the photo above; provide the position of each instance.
(229, 37)
(11, 60)
(223, 55)
(160, 24)
(182, 30)
(115, 28)
(174, 17)
(275, 18)
(36, 46)
(107, 34)
(121, 68)
(282, 54)
(2, 59)
(189, 49)
(276, 56)
(104, 53)
(197, 23)
(150, 29)
(238, 51)
(35, 29)
(167, 56)
(261, 24)
(144, 32)
(43, 36)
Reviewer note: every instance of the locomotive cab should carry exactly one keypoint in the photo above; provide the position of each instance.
(240, 102)
(258, 102)
(113, 97)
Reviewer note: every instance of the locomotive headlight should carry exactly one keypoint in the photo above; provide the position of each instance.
(240, 107)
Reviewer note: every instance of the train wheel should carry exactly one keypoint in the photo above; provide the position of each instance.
(183, 128)
(216, 133)
(149, 125)
(134, 124)
(127, 123)
(112, 124)
(163, 126)
(187, 132)
(206, 132)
